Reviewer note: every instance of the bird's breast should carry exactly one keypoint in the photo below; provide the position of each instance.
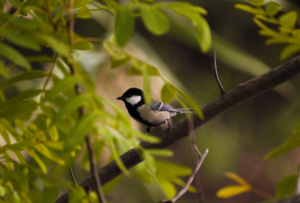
(153, 116)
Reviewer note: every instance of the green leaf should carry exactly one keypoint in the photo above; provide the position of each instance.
(15, 36)
(155, 21)
(232, 190)
(52, 131)
(84, 13)
(273, 8)
(21, 110)
(14, 56)
(289, 50)
(39, 59)
(289, 19)
(168, 188)
(26, 75)
(286, 187)
(3, 70)
(124, 25)
(119, 63)
(282, 149)
(249, 9)
(204, 34)
(170, 169)
(48, 153)
(12, 131)
(80, 129)
(83, 45)
(160, 152)
(72, 105)
(168, 93)
(266, 19)
(61, 86)
(55, 42)
(258, 2)
(26, 23)
(37, 159)
(265, 30)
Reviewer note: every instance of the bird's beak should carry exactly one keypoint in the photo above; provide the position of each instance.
(119, 98)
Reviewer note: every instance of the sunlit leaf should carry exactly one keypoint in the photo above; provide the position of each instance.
(124, 25)
(81, 3)
(289, 19)
(235, 178)
(21, 110)
(232, 190)
(169, 169)
(37, 159)
(273, 8)
(249, 9)
(203, 33)
(83, 45)
(289, 50)
(282, 149)
(152, 71)
(155, 21)
(48, 153)
(28, 94)
(168, 92)
(286, 187)
(14, 56)
(168, 188)
(52, 131)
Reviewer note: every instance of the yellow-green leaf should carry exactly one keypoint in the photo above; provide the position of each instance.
(155, 21)
(236, 178)
(84, 13)
(168, 93)
(273, 8)
(160, 152)
(289, 50)
(289, 19)
(249, 9)
(52, 131)
(48, 153)
(232, 190)
(168, 188)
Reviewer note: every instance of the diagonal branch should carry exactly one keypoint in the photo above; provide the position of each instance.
(216, 107)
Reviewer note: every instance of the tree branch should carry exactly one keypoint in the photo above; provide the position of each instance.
(216, 107)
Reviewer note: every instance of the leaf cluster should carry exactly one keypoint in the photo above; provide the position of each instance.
(42, 122)
(269, 15)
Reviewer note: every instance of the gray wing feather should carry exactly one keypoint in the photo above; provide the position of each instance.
(160, 106)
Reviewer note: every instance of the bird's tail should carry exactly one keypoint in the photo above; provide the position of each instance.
(183, 110)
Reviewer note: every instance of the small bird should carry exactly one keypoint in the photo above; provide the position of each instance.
(151, 115)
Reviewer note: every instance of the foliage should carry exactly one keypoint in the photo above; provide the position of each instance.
(43, 121)
(285, 32)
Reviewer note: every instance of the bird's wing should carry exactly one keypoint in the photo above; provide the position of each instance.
(160, 106)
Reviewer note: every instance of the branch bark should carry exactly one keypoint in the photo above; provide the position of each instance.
(216, 107)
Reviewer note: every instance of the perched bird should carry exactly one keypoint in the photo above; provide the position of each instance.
(151, 115)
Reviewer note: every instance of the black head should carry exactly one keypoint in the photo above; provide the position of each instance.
(133, 96)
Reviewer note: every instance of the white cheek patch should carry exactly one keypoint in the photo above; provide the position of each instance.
(134, 99)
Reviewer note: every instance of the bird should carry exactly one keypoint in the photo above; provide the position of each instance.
(151, 115)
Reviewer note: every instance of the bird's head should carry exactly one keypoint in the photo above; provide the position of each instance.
(132, 96)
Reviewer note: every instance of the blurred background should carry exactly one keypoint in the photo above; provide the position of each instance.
(238, 139)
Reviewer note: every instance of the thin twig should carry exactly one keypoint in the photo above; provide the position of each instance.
(216, 73)
(194, 149)
(298, 183)
(190, 180)
(94, 171)
(72, 175)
